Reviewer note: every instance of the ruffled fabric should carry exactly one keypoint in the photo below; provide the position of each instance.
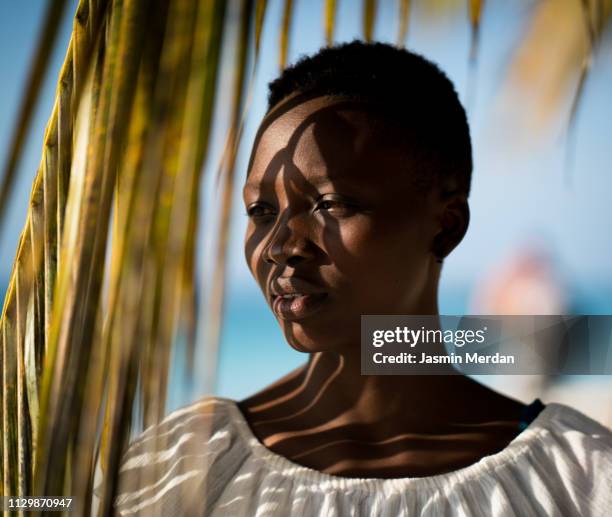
(204, 460)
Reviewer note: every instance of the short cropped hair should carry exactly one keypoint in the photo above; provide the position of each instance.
(408, 91)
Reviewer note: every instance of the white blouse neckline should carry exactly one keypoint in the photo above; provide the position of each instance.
(522, 443)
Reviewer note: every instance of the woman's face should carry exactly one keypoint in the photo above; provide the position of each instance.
(336, 225)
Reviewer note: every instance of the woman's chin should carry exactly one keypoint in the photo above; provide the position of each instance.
(309, 340)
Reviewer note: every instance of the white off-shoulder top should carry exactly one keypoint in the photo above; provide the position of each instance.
(204, 459)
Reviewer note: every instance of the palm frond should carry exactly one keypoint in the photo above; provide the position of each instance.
(284, 34)
(475, 13)
(329, 21)
(369, 17)
(404, 20)
(39, 66)
(554, 57)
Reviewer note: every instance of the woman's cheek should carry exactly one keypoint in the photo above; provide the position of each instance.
(355, 253)
(377, 245)
(356, 235)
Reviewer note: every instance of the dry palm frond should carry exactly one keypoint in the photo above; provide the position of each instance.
(555, 55)
(27, 306)
(329, 21)
(120, 142)
(260, 11)
(227, 175)
(36, 75)
(284, 34)
(594, 16)
(404, 20)
(475, 13)
(369, 18)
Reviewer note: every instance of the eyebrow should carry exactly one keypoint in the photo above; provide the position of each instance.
(316, 182)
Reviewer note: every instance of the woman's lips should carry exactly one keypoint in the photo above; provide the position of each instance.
(299, 307)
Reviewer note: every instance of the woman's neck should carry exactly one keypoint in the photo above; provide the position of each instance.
(329, 390)
(329, 417)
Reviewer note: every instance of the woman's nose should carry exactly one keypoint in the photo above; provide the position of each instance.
(290, 242)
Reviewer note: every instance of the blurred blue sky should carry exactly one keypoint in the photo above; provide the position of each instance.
(518, 196)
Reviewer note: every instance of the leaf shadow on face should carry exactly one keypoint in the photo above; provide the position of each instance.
(295, 185)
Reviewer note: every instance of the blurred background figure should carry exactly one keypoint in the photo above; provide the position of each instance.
(527, 282)
(530, 282)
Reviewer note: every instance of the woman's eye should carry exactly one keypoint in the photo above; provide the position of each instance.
(327, 205)
(335, 207)
(258, 211)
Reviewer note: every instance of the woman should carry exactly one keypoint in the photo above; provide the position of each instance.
(356, 192)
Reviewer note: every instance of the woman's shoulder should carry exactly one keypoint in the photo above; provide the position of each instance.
(170, 461)
(206, 415)
(574, 428)
(587, 442)
(571, 450)
(205, 422)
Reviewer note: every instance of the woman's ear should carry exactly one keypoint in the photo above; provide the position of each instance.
(454, 221)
